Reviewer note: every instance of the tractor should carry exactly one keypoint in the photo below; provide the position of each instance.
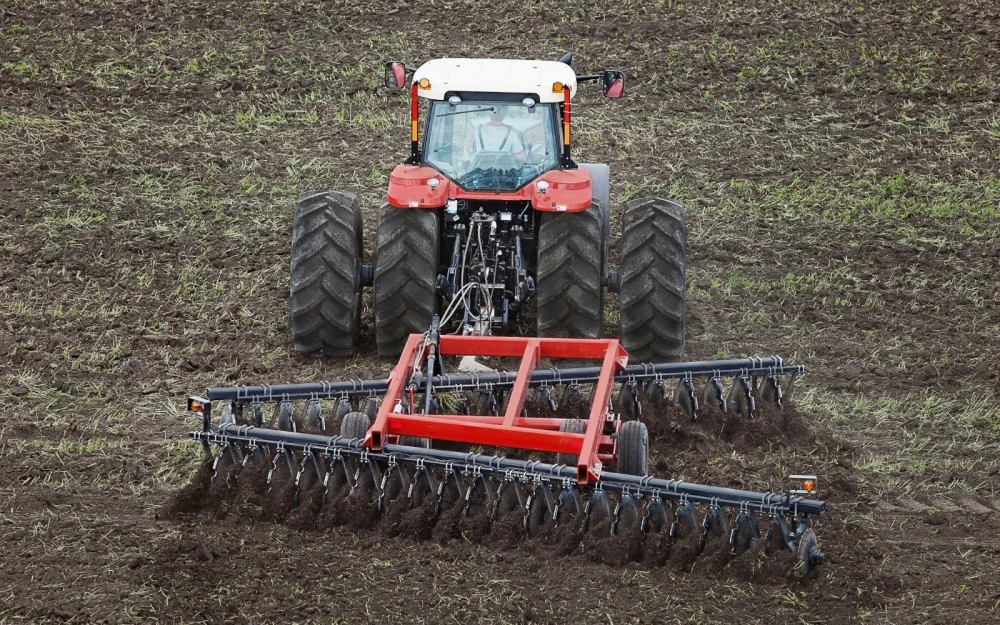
(488, 213)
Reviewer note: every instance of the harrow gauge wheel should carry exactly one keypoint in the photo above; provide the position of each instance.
(415, 441)
(574, 426)
(325, 283)
(808, 554)
(355, 425)
(633, 448)
(652, 287)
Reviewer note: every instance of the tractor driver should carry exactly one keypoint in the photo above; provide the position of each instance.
(496, 136)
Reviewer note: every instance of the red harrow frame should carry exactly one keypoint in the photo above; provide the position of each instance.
(405, 408)
(593, 447)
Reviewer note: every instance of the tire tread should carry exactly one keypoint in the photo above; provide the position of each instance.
(325, 297)
(652, 280)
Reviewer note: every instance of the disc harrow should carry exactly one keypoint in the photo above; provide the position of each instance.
(391, 443)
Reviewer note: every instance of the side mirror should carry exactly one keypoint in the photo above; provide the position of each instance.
(395, 75)
(614, 83)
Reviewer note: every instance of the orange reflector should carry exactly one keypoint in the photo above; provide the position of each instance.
(557, 87)
(803, 484)
(424, 83)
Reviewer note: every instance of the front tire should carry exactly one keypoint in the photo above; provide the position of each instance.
(569, 274)
(406, 269)
(324, 288)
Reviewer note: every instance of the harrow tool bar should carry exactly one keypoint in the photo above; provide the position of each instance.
(524, 471)
(747, 367)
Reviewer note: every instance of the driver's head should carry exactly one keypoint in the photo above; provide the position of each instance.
(498, 114)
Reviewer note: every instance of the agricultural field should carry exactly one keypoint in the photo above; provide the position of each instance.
(840, 167)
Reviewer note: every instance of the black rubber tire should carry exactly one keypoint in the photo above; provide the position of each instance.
(325, 306)
(652, 280)
(600, 191)
(415, 441)
(406, 269)
(808, 543)
(355, 425)
(569, 274)
(633, 448)
(575, 426)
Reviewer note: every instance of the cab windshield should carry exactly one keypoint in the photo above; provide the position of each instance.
(491, 146)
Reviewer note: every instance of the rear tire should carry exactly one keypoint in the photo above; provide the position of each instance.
(406, 269)
(652, 280)
(633, 448)
(325, 313)
(569, 274)
(575, 426)
(355, 425)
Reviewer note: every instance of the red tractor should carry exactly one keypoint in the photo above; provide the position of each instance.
(489, 212)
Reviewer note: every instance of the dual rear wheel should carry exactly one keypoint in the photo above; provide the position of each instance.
(326, 274)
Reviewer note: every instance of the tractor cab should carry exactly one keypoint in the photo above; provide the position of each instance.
(485, 143)
(493, 125)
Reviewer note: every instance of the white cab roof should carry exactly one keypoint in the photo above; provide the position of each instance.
(495, 75)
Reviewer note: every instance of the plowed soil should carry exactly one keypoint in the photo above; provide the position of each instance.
(839, 166)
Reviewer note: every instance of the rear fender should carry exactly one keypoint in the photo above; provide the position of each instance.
(568, 190)
(408, 187)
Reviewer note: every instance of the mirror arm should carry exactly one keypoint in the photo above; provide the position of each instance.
(589, 77)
